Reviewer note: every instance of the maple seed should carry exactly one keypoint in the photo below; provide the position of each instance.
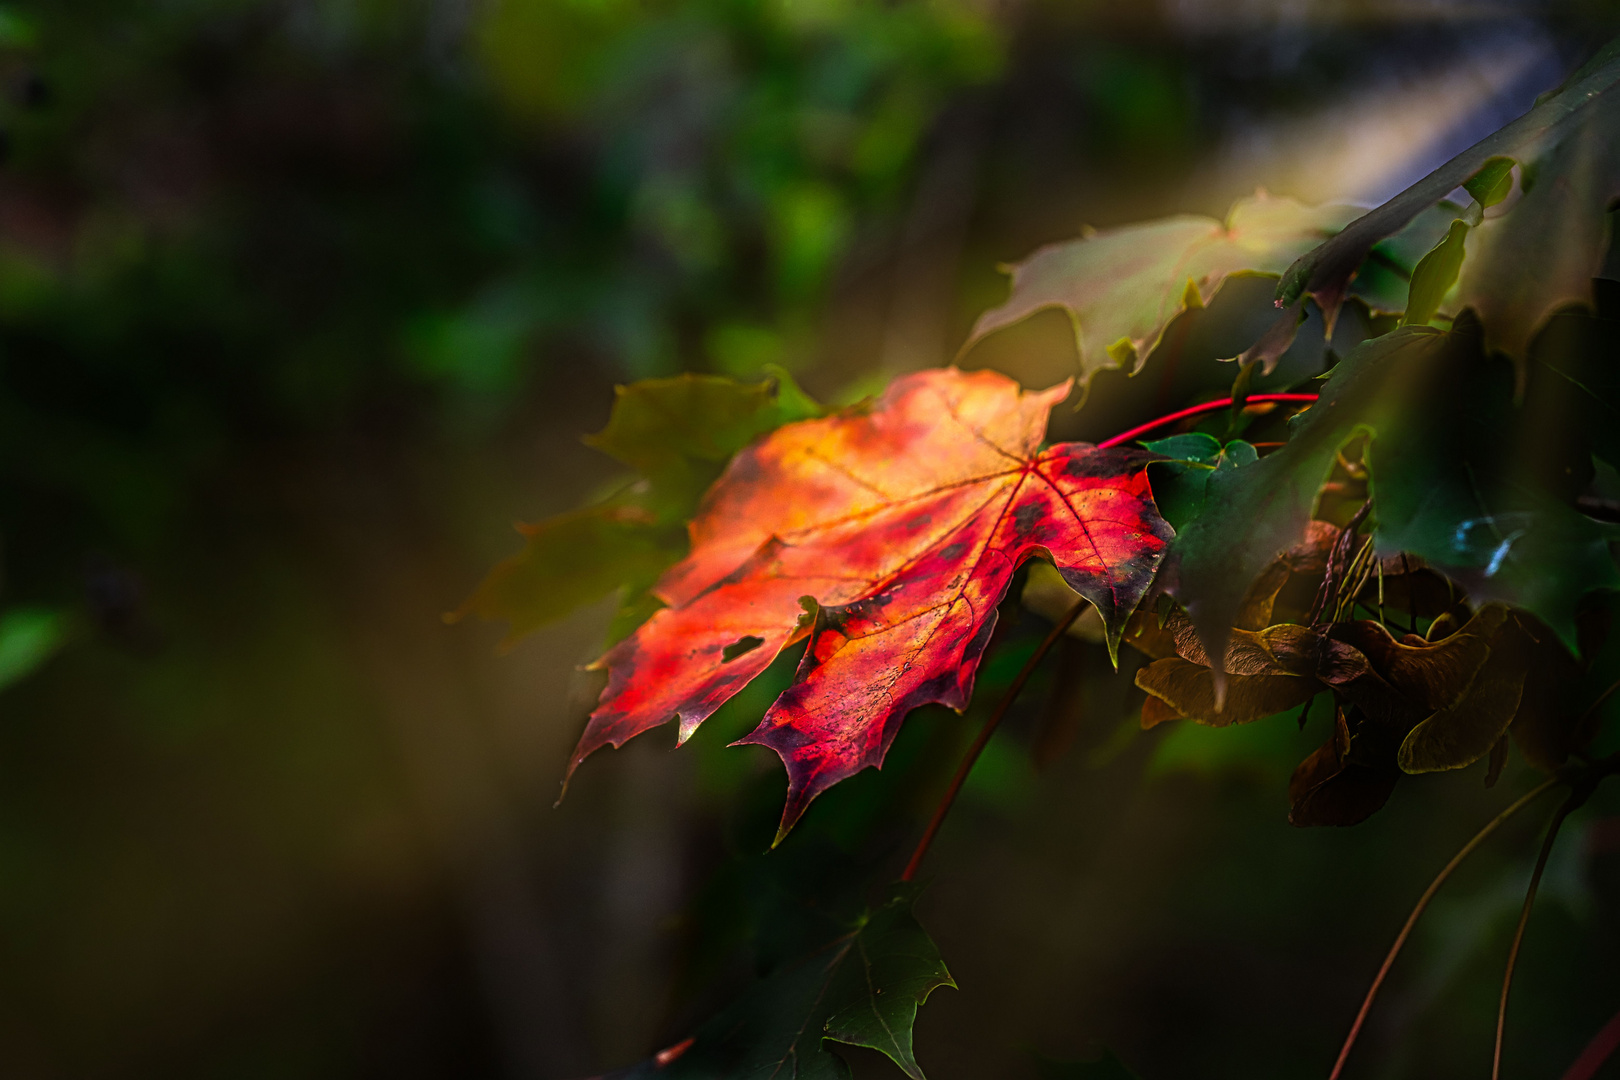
(883, 536)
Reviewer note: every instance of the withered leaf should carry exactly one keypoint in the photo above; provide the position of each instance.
(1188, 689)
(1433, 676)
(1456, 737)
(1156, 711)
(1348, 779)
(1547, 727)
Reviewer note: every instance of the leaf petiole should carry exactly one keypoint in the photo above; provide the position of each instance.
(983, 739)
(1417, 911)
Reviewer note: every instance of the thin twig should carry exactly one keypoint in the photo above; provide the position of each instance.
(1575, 799)
(1423, 902)
(988, 730)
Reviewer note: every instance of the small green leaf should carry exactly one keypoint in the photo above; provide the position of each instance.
(1385, 278)
(1434, 276)
(1179, 481)
(1193, 446)
(1493, 182)
(862, 988)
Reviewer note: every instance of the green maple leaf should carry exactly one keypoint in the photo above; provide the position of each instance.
(1544, 252)
(677, 434)
(862, 988)
(1122, 287)
(1569, 141)
(1448, 483)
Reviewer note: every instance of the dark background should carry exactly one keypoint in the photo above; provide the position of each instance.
(303, 302)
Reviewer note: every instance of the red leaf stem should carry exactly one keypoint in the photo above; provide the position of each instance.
(988, 730)
(1195, 410)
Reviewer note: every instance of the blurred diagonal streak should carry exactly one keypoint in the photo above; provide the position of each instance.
(1371, 146)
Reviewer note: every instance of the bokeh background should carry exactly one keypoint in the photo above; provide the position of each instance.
(304, 302)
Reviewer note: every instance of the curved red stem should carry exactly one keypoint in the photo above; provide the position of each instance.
(1598, 1051)
(1196, 410)
(1563, 812)
(1417, 911)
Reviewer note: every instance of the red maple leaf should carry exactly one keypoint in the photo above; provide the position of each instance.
(887, 534)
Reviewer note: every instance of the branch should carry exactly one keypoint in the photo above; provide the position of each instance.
(1422, 904)
(1576, 797)
(988, 730)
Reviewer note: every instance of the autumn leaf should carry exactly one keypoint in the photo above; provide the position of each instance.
(1122, 287)
(862, 989)
(886, 535)
(677, 433)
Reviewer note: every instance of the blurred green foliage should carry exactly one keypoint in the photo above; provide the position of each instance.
(234, 221)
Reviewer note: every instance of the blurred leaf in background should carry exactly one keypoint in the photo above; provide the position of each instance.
(29, 636)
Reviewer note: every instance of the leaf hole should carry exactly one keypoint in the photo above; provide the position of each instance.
(741, 647)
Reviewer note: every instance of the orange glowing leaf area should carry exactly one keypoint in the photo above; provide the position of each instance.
(885, 534)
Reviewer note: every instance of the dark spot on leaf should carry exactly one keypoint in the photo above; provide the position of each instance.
(1026, 516)
(1104, 464)
(741, 647)
(954, 551)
